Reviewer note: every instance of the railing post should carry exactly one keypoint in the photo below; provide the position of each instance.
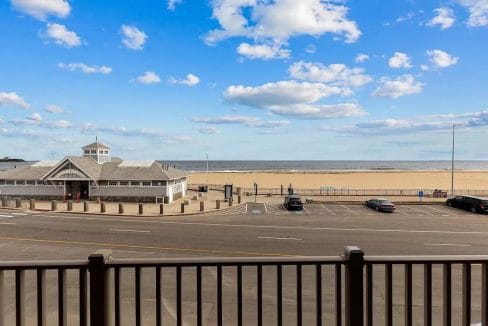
(100, 312)
(354, 258)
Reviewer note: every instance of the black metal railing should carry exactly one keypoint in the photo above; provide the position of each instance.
(351, 289)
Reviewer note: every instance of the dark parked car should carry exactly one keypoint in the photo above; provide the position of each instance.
(293, 203)
(469, 203)
(381, 205)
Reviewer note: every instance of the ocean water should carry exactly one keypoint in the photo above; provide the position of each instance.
(234, 166)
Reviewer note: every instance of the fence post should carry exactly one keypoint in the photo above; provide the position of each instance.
(354, 296)
(18, 203)
(182, 208)
(161, 209)
(102, 207)
(217, 204)
(4, 202)
(202, 206)
(70, 205)
(239, 199)
(230, 201)
(121, 208)
(32, 204)
(100, 311)
(85, 206)
(141, 209)
(54, 205)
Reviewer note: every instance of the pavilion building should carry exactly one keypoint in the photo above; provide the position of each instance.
(95, 175)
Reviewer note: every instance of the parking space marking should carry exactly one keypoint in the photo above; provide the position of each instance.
(349, 209)
(20, 214)
(306, 210)
(328, 210)
(7, 223)
(273, 238)
(420, 211)
(399, 211)
(448, 244)
(136, 231)
(9, 216)
(438, 210)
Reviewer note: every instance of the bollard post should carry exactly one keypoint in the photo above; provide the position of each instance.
(4, 202)
(102, 207)
(354, 258)
(100, 307)
(161, 209)
(141, 209)
(18, 203)
(32, 204)
(230, 202)
(121, 208)
(202, 206)
(182, 208)
(217, 204)
(54, 205)
(85, 206)
(239, 199)
(70, 205)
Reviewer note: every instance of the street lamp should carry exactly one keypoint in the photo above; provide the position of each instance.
(206, 155)
(452, 160)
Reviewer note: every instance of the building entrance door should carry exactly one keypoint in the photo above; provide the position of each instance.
(77, 189)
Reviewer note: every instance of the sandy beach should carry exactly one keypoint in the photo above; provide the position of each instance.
(472, 180)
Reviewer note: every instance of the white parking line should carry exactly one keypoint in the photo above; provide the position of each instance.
(352, 211)
(6, 216)
(137, 231)
(20, 214)
(420, 211)
(273, 238)
(306, 210)
(7, 223)
(438, 210)
(327, 209)
(448, 244)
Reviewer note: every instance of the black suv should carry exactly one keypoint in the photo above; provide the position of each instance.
(473, 204)
(293, 203)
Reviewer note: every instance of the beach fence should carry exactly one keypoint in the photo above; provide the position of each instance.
(331, 191)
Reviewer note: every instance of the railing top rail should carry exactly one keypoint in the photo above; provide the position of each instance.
(451, 259)
(44, 264)
(227, 261)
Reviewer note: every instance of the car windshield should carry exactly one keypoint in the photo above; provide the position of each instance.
(384, 202)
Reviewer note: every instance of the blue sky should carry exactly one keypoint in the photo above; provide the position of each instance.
(244, 79)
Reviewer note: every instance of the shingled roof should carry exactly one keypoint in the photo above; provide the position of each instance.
(96, 145)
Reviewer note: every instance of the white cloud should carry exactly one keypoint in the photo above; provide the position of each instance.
(478, 12)
(441, 59)
(149, 77)
(12, 99)
(63, 124)
(334, 74)
(208, 130)
(145, 133)
(190, 80)
(361, 57)
(134, 38)
(52, 108)
(262, 51)
(247, 121)
(35, 117)
(292, 98)
(61, 35)
(398, 87)
(444, 18)
(400, 60)
(173, 3)
(85, 68)
(424, 67)
(41, 9)
(280, 20)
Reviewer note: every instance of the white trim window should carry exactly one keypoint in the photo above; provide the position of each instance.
(113, 183)
(124, 183)
(146, 183)
(135, 184)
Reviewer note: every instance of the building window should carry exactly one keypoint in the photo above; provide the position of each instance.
(112, 183)
(159, 183)
(9, 182)
(124, 183)
(2, 182)
(41, 183)
(146, 183)
(103, 183)
(20, 183)
(86, 151)
(93, 151)
(135, 183)
(31, 183)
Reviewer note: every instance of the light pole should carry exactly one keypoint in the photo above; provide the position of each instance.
(206, 155)
(452, 159)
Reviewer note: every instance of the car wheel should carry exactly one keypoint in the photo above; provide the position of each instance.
(377, 208)
(473, 210)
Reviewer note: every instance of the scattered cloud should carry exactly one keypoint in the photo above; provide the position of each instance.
(424, 67)
(149, 77)
(400, 60)
(361, 57)
(61, 35)
(405, 18)
(292, 98)
(444, 18)
(173, 3)
(85, 68)
(248, 121)
(334, 74)
(262, 51)
(133, 38)
(41, 9)
(398, 87)
(441, 59)
(208, 130)
(478, 12)
(277, 21)
(190, 80)
(36, 117)
(13, 99)
(311, 48)
(52, 108)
